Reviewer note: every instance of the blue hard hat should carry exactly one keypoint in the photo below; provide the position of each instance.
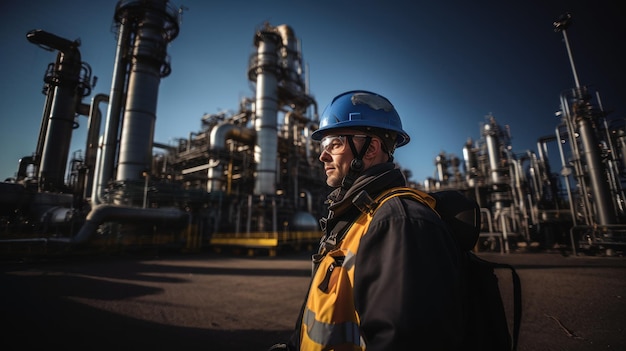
(361, 110)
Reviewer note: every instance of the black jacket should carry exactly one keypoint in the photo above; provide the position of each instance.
(407, 283)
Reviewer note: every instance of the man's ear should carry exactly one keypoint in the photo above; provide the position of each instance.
(373, 149)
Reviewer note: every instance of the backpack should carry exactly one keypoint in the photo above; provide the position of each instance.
(487, 325)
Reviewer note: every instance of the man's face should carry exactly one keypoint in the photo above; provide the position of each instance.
(337, 156)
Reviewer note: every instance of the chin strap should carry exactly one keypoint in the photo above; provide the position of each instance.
(356, 166)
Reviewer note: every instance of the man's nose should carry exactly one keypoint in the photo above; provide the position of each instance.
(324, 155)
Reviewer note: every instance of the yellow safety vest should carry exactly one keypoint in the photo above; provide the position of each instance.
(330, 320)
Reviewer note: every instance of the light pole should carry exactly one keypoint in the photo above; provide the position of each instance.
(561, 25)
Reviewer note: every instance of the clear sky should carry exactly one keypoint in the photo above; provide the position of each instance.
(443, 64)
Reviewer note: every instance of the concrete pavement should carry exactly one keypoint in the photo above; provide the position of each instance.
(209, 301)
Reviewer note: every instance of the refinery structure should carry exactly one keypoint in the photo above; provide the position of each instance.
(251, 179)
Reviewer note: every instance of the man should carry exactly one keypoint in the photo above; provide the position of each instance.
(404, 272)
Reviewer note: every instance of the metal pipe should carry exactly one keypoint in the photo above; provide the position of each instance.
(565, 172)
(217, 143)
(93, 135)
(49, 92)
(579, 172)
(104, 213)
(561, 25)
(311, 158)
(108, 150)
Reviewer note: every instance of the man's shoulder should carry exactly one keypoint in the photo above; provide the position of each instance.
(405, 206)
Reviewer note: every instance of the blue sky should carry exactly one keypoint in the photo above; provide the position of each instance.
(443, 64)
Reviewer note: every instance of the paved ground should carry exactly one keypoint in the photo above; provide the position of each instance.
(224, 302)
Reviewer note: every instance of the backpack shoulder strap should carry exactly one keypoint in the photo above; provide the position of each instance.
(517, 294)
(367, 205)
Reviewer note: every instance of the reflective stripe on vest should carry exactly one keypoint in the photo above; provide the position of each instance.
(331, 334)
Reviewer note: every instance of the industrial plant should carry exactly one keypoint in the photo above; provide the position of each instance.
(251, 180)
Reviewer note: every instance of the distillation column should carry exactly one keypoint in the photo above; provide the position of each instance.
(265, 123)
(582, 121)
(68, 88)
(499, 186)
(154, 27)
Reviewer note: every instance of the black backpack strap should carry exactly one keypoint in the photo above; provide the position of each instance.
(517, 304)
(517, 297)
